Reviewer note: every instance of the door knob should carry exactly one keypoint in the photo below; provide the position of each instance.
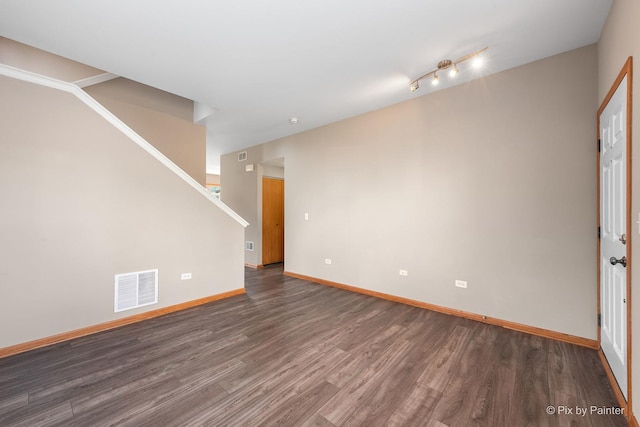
(615, 261)
(623, 239)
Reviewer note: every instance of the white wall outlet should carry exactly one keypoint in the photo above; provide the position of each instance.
(461, 284)
(306, 216)
(403, 273)
(185, 276)
(327, 261)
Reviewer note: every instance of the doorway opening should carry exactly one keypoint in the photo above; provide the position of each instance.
(614, 232)
(272, 217)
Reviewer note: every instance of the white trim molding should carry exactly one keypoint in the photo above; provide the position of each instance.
(72, 88)
(94, 80)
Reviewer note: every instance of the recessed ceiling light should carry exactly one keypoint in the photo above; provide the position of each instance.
(293, 120)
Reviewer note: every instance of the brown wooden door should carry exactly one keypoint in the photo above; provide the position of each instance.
(272, 220)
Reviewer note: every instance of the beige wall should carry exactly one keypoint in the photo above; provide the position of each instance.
(38, 61)
(621, 39)
(141, 95)
(81, 203)
(492, 182)
(272, 171)
(161, 118)
(244, 190)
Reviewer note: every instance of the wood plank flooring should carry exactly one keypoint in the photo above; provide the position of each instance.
(294, 353)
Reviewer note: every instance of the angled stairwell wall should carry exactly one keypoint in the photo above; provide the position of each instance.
(165, 120)
(81, 201)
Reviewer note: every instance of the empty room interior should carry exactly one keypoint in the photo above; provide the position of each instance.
(328, 213)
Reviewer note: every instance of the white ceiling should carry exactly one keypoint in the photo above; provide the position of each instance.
(259, 63)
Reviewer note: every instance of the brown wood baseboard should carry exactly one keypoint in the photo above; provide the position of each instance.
(259, 266)
(614, 385)
(89, 330)
(546, 333)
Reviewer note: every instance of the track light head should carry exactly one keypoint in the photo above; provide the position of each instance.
(447, 64)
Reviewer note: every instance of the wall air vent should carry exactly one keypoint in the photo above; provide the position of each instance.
(242, 156)
(249, 246)
(133, 290)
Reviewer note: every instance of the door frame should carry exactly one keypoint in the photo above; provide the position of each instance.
(626, 71)
(262, 232)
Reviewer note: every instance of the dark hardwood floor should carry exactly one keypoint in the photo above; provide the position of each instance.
(295, 353)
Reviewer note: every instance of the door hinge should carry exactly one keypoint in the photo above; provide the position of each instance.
(598, 232)
(598, 145)
(599, 320)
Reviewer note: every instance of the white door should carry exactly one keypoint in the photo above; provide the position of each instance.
(613, 220)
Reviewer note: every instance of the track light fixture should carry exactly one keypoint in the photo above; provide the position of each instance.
(446, 64)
